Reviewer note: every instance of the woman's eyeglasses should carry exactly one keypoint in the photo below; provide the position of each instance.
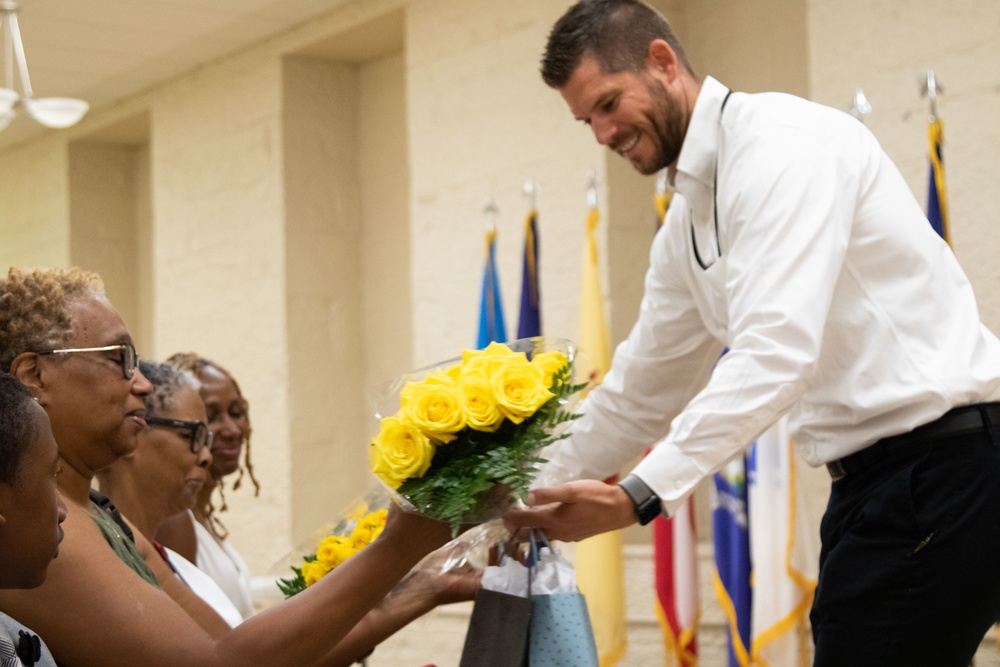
(129, 359)
(197, 431)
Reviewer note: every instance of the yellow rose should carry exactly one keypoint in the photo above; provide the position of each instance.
(334, 550)
(481, 411)
(314, 571)
(550, 362)
(368, 529)
(520, 389)
(489, 360)
(399, 451)
(434, 406)
(375, 520)
(357, 513)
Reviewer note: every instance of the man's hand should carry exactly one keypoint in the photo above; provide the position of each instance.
(574, 511)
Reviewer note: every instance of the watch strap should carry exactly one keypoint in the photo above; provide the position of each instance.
(647, 504)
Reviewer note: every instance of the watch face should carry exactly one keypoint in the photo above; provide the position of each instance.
(647, 503)
(648, 510)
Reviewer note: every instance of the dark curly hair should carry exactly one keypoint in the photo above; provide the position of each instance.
(34, 308)
(18, 427)
(616, 33)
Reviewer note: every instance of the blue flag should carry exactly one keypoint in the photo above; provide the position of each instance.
(530, 320)
(491, 325)
(731, 535)
(937, 203)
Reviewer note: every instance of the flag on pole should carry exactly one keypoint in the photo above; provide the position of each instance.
(600, 569)
(675, 548)
(491, 325)
(937, 200)
(731, 537)
(784, 554)
(529, 322)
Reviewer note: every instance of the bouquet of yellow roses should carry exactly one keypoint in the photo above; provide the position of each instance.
(355, 530)
(464, 442)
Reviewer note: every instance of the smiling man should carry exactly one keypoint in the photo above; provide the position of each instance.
(794, 243)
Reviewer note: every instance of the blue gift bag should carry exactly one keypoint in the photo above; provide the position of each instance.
(560, 631)
(561, 634)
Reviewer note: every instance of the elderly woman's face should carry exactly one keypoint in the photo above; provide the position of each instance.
(227, 419)
(96, 413)
(168, 471)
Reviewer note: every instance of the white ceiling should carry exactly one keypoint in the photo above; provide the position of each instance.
(103, 50)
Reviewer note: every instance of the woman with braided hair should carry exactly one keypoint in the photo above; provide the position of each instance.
(199, 535)
(102, 605)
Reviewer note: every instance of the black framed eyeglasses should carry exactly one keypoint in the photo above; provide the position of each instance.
(129, 359)
(197, 431)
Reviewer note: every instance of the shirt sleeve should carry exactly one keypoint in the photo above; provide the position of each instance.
(665, 360)
(786, 200)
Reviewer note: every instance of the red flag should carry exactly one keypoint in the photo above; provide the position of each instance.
(675, 546)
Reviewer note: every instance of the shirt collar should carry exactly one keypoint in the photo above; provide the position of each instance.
(696, 163)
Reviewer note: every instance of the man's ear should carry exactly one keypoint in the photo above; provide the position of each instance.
(28, 370)
(661, 58)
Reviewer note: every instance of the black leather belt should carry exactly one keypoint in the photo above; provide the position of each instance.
(959, 421)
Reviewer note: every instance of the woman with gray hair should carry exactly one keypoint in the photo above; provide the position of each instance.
(164, 475)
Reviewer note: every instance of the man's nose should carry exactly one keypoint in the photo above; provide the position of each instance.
(604, 131)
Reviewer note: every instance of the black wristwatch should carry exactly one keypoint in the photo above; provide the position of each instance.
(647, 504)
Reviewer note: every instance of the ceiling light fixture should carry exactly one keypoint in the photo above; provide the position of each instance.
(56, 112)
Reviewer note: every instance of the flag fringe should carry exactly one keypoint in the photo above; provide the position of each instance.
(678, 647)
(729, 609)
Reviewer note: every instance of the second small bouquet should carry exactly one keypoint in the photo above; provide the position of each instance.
(464, 443)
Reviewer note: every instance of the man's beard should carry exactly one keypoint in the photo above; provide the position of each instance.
(666, 118)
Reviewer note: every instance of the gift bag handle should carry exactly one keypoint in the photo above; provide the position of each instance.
(536, 543)
(534, 558)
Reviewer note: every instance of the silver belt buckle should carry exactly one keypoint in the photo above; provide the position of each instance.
(836, 469)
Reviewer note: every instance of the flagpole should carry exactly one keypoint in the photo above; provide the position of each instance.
(591, 189)
(937, 199)
(600, 567)
(930, 90)
(530, 190)
(490, 210)
(491, 320)
(530, 318)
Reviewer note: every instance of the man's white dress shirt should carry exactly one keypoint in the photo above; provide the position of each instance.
(838, 304)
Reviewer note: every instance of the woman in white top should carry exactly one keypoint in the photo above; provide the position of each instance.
(198, 535)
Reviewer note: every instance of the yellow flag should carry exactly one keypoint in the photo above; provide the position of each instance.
(600, 568)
